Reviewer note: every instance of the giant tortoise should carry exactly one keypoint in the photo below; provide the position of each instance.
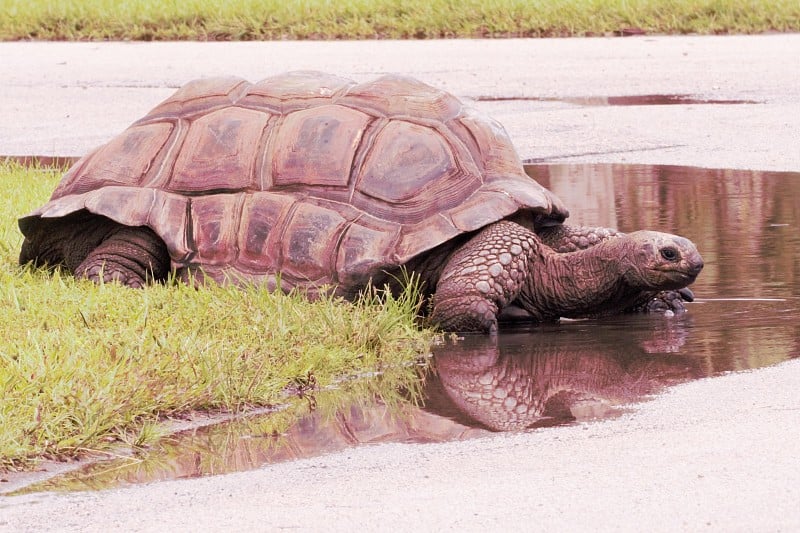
(310, 180)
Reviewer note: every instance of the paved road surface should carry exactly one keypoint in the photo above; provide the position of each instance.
(65, 98)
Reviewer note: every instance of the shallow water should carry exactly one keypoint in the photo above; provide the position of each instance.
(746, 315)
(631, 100)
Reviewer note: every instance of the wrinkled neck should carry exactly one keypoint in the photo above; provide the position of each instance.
(584, 283)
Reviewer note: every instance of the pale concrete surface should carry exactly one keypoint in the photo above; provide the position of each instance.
(715, 455)
(66, 98)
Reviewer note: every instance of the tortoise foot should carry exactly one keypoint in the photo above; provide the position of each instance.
(109, 272)
(130, 256)
(666, 301)
(469, 312)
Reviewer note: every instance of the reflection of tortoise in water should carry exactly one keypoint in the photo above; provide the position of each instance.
(328, 182)
(518, 380)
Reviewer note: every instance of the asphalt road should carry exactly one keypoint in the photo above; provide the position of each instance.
(718, 454)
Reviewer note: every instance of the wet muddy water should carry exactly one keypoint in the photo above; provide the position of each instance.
(746, 315)
(631, 100)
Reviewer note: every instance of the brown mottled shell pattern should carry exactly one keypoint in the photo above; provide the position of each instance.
(307, 174)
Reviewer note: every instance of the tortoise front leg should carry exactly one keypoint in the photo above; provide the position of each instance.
(482, 277)
(132, 256)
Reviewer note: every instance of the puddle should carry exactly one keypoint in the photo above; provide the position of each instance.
(632, 100)
(527, 378)
(747, 315)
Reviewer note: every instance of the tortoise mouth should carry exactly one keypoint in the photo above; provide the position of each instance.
(681, 275)
(672, 279)
(686, 278)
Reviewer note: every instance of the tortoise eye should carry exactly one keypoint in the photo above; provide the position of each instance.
(670, 254)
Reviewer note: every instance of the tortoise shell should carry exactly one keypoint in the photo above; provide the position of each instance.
(307, 174)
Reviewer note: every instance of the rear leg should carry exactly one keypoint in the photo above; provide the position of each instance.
(132, 256)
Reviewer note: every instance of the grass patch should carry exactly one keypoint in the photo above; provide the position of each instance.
(85, 366)
(383, 19)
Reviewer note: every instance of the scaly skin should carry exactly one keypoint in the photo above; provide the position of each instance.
(565, 238)
(131, 256)
(506, 263)
(484, 276)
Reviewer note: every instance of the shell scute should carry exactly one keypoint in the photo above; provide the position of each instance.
(528, 195)
(219, 152)
(215, 220)
(295, 90)
(422, 236)
(361, 253)
(169, 217)
(139, 203)
(125, 160)
(309, 242)
(259, 233)
(198, 97)
(497, 156)
(405, 160)
(403, 96)
(411, 173)
(56, 209)
(335, 133)
(481, 209)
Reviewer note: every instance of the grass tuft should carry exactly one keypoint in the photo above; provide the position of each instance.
(84, 366)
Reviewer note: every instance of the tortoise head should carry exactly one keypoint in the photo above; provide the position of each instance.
(661, 261)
